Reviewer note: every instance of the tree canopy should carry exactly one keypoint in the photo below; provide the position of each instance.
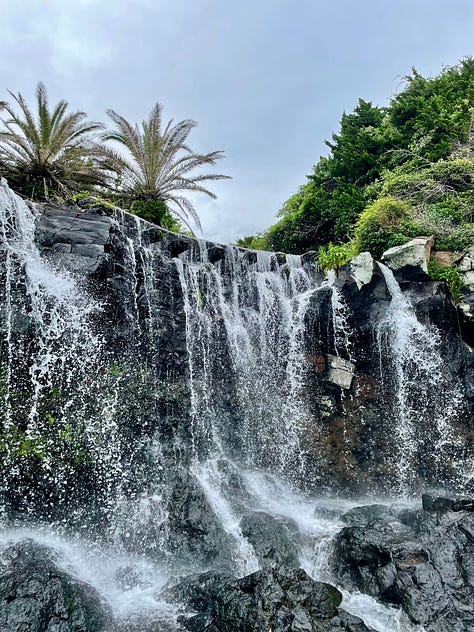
(416, 153)
(159, 166)
(56, 153)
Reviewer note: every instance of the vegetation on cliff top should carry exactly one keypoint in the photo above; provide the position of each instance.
(52, 154)
(392, 173)
(58, 154)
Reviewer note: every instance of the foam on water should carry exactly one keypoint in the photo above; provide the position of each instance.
(131, 585)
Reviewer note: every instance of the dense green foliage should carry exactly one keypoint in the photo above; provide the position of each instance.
(332, 257)
(392, 173)
(155, 211)
(450, 276)
(379, 224)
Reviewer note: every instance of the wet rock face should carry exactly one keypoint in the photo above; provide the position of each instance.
(274, 543)
(198, 535)
(278, 600)
(354, 389)
(421, 560)
(129, 266)
(36, 596)
(79, 239)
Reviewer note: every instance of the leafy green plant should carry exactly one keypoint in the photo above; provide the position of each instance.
(379, 226)
(15, 444)
(254, 242)
(332, 257)
(450, 276)
(53, 154)
(419, 150)
(200, 298)
(117, 370)
(156, 211)
(159, 165)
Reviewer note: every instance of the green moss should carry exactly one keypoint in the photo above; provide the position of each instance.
(15, 444)
(450, 276)
(117, 370)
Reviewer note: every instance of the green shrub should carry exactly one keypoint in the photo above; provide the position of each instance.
(332, 257)
(450, 276)
(456, 173)
(380, 226)
(254, 242)
(156, 212)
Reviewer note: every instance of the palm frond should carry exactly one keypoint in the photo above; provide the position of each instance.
(158, 163)
(54, 153)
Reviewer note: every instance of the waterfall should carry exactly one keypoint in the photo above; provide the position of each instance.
(245, 326)
(427, 402)
(51, 359)
(193, 388)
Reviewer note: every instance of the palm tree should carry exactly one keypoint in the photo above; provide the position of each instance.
(159, 163)
(53, 154)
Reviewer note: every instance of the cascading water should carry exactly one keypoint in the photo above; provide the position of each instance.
(51, 359)
(413, 365)
(245, 333)
(185, 404)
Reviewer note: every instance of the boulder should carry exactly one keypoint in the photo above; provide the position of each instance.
(274, 542)
(341, 372)
(310, 257)
(409, 262)
(195, 532)
(442, 504)
(369, 515)
(36, 596)
(362, 269)
(278, 600)
(77, 239)
(421, 560)
(465, 263)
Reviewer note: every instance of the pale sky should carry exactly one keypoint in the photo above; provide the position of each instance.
(267, 80)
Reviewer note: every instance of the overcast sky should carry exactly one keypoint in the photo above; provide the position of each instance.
(267, 80)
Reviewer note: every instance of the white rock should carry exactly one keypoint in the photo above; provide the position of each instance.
(468, 279)
(415, 253)
(362, 268)
(341, 371)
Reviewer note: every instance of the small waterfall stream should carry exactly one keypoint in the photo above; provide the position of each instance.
(226, 417)
(414, 366)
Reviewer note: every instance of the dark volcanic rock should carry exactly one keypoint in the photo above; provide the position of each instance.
(442, 504)
(278, 600)
(274, 542)
(78, 239)
(368, 515)
(421, 560)
(195, 531)
(36, 596)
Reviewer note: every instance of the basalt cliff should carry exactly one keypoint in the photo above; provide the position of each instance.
(183, 409)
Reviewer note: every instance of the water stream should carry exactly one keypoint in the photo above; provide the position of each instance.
(246, 321)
